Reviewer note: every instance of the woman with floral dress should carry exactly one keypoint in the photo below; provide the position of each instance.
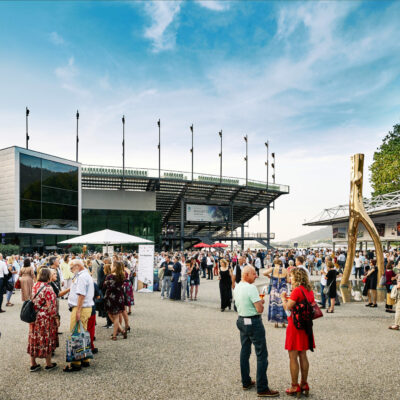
(278, 276)
(114, 301)
(128, 289)
(42, 334)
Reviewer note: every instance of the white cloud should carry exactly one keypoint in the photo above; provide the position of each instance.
(67, 72)
(56, 39)
(162, 31)
(214, 5)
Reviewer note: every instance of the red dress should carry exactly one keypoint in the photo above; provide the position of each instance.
(296, 339)
(42, 338)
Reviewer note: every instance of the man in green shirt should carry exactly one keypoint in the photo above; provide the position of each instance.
(252, 330)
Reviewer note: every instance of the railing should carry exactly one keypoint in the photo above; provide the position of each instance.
(106, 171)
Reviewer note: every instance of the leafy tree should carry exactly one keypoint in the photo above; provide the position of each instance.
(385, 169)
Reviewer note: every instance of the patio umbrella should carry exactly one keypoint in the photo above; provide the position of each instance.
(106, 237)
(200, 245)
(219, 245)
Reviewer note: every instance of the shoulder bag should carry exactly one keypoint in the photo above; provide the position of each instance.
(28, 313)
(394, 292)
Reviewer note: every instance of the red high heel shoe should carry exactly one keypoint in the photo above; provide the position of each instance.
(294, 390)
(305, 388)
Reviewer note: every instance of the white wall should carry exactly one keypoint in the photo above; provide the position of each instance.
(118, 200)
(7, 190)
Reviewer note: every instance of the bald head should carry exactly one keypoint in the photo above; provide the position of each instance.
(249, 274)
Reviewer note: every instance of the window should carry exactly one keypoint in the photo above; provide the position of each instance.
(48, 194)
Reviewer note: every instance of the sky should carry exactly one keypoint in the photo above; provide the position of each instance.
(319, 80)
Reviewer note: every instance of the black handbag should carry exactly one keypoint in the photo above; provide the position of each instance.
(9, 285)
(28, 313)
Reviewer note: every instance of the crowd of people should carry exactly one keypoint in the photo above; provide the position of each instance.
(89, 284)
(97, 283)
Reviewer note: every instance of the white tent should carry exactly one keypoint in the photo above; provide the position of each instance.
(321, 246)
(106, 237)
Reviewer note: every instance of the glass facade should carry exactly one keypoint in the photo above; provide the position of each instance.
(146, 224)
(48, 194)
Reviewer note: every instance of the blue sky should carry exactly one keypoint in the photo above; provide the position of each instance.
(319, 80)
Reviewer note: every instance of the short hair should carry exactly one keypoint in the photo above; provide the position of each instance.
(52, 259)
(330, 264)
(44, 275)
(76, 261)
(300, 259)
(291, 262)
(278, 261)
(27, 262)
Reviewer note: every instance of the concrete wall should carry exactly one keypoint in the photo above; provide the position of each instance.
(118, 200)
(7, 190)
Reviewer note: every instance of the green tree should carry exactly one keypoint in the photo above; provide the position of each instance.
(385, 169)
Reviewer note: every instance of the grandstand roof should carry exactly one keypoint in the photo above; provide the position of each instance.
(173, 186)
(382, 205)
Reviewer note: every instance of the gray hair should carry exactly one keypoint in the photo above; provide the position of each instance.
(291, 262)
(76, 261)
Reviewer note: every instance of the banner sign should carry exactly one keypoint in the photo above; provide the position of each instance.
(145, 268)
(205, 213)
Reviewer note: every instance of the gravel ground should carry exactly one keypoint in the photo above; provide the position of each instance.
(191, 350)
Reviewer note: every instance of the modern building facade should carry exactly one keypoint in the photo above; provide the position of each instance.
(47, 199)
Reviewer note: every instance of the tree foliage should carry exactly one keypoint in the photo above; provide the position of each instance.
(385, 169)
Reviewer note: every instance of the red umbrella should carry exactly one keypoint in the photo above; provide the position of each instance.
(199, 245)
(219, 245)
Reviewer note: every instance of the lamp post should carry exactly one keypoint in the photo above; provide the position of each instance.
(220, 158)
(246, 159)
(77, 134)
(159, 149)
(267, 162)
(123, 147)
(191, 150)
(26, 123)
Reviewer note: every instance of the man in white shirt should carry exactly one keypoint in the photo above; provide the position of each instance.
(299, 264)
(3, 272)
(80, 300)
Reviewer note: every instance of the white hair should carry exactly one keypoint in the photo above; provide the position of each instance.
(76, 261)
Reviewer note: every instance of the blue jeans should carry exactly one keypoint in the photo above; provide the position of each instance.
(323, 297)
(254, 333)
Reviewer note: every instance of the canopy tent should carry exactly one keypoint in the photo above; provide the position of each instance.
(322, 246)
(106, 237)
(216, 245)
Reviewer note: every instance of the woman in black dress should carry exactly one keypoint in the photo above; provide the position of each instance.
(371, 283)
(114, 301)
(176, 285)
(331, 284)
(225, 284)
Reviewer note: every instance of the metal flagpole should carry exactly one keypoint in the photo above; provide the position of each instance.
(26, 123)
(246, 159)
(220, 156)
(77, 134)
(192, 150)
(159, 149)
(123, 147)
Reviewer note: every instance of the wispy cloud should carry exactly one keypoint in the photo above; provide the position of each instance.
(214, 5)
(56, 38)
(68, 74)
(162, 31)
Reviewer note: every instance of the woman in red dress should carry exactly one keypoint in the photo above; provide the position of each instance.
(298, 341)
(42, 332)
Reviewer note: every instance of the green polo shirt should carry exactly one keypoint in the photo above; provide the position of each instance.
(245, 295)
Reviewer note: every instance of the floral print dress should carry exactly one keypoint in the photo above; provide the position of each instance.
(128, 290)
(42, 339)
(114, 301)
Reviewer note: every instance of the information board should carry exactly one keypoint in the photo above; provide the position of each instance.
(207, 213)
(145, 268)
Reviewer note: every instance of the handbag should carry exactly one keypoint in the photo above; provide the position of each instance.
(17, 284)
(9, 285)
(394, 292)
(78, 344)
(28, 313)
(326, 289)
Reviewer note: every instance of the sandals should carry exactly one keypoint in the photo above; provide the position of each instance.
(394, 327)
(114, 338)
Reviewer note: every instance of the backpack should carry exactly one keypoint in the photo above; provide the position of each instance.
(28, 313)
(303, 314)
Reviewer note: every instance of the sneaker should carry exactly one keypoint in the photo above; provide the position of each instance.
(49, 367)
(249, 386)
(268, 393)
(35, 368)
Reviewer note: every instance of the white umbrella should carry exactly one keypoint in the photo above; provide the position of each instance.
(106, 237)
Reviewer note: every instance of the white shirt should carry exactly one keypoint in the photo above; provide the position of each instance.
(323, 277)
(83, 285)
(3, 269)
(305, 269)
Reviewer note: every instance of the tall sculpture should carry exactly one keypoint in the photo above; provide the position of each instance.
(357, 214)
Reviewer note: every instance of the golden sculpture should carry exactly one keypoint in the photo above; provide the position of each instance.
(357, 214)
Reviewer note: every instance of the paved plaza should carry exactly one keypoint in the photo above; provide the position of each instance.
(191, 350)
